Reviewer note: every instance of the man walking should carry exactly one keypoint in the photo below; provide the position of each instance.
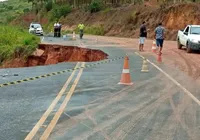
(143, 35)
(81, 28)
(160, 36)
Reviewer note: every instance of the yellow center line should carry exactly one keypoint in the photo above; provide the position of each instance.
(51, 107)
(55, 119)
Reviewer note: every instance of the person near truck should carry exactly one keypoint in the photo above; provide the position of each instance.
(81, 28)
(143, 36)
(160, 36)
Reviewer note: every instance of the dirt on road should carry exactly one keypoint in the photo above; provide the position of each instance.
(172, 56)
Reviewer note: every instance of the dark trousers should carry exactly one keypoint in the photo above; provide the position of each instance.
(59, 32)
(81, 34)
(55, 32)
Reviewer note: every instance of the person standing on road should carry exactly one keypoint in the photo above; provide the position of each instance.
(59, 29)
(81, 28)
(56, 29)
(160, 36)
(143, 35)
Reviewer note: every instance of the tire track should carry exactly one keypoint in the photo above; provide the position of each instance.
(129, 125)
(188, 64)
(117, 96)
(117, 117)
(179, 110)
(122, 114)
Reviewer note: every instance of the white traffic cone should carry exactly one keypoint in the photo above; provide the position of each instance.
(154, 47)
(74, 36)
(145, 66)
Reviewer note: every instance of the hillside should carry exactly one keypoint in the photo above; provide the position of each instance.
(11, 9)
(121, 21)
(125, 21)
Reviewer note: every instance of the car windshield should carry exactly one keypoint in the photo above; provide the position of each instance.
(36, 25)
(195, 30)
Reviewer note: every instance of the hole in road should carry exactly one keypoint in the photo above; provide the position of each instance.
(47, 54)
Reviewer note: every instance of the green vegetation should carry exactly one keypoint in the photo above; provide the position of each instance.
(92, 30)
(58, 11)
(105, 11)
(16, 42)
(132, 17)
(11, 9)
(96, 6)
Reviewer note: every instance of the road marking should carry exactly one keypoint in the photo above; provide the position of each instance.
(51, 107)
(55, 119)
(173, 80)
(57, 73)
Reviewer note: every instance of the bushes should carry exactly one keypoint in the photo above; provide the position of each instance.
(14, 41)
(49, 5)
(10, 18)
(132, 17)
(59, 11)
(93, 30)
(26, 10)
(96, 6)
(105, 11)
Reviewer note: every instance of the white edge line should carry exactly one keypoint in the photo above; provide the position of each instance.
(173, 80)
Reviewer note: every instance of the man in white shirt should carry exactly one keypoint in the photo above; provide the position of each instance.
(59, 29)
(56, 29)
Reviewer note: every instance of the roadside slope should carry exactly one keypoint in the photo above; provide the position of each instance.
(125, 21)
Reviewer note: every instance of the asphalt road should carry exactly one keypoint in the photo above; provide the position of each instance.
(93, 106)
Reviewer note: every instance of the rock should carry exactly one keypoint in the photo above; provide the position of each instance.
(38, 52)
(52, 58)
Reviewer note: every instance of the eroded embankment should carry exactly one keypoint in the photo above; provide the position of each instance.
(47, 54)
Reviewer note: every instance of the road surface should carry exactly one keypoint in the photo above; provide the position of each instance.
(87, 103)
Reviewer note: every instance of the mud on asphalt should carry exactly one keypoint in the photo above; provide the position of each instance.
(153, 108)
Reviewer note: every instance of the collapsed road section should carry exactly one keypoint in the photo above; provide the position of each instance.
(47, 54)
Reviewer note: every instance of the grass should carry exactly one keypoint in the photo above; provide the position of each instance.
(132, 17)
(93, 30)
(13, 9)
(106, 10)
(16, 42)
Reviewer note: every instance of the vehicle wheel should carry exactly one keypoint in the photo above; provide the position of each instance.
(179, 44)
(188, 49)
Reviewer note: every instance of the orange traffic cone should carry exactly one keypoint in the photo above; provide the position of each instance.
(154, 47)
(159, 59)
(126, 77)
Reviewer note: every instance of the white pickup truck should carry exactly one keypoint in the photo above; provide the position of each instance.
(189, 37)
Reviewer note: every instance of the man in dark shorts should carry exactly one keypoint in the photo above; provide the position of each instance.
(160, 36)
(143, 35)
